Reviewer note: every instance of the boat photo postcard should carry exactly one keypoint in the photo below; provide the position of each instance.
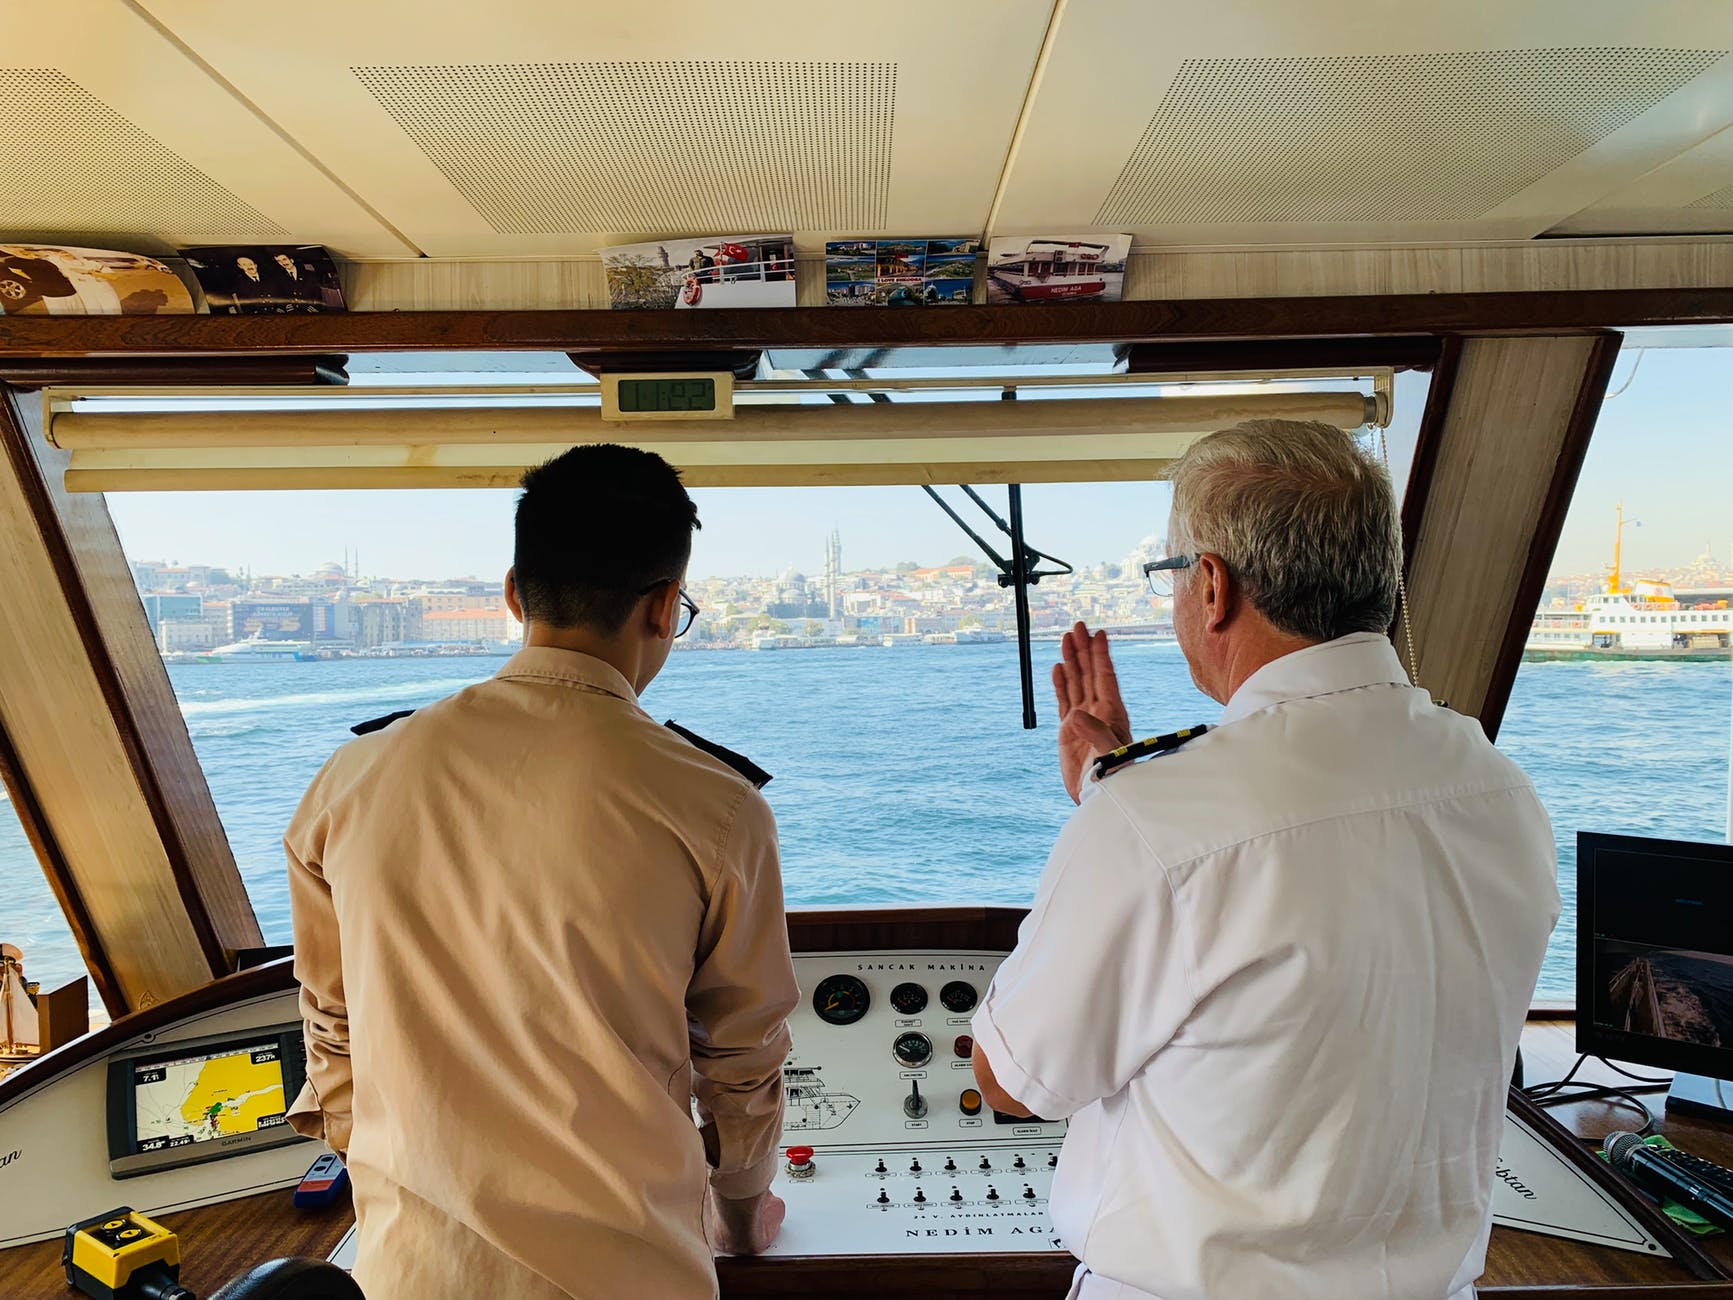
(720, 271)
(1056, 268)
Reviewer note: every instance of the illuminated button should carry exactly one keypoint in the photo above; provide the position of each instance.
(970, 1102)
(964, 1047)
(800, 1162)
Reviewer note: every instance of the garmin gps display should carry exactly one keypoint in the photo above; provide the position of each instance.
(198, 1098)
(204, 1099)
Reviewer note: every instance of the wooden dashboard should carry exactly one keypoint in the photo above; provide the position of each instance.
(222, 1240)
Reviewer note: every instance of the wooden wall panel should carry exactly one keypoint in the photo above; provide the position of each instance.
(1504, 462)
(93, 723)
(428, 284)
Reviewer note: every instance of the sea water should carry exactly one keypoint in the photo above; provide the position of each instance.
(904, 775)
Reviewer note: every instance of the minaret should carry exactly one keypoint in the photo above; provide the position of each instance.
(833, 571)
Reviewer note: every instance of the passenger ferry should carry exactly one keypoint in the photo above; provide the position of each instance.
(258, 649)
(1638, 619)
(1436, 224)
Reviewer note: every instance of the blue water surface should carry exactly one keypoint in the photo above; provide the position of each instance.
(904, 775)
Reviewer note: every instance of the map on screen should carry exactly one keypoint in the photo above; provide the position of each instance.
(202, 1097)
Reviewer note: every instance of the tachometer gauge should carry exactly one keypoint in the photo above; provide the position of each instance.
(912, 1050)
(840, 999)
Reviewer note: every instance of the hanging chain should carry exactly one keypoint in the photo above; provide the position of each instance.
(1401, 582)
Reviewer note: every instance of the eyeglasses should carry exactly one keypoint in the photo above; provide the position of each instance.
(688, 608)
(1160, 573)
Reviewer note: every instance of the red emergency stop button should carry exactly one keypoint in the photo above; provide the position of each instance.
(800, 1162)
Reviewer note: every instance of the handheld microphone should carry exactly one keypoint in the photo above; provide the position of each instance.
(1654, 1172)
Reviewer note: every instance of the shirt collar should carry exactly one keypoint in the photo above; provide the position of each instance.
(1345, 664)
(547, 663)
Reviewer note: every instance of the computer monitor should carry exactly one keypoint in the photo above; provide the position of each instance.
(1655, 961)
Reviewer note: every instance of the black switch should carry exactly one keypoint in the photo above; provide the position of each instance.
(879, 1168)
(950, 1165)
(1018, 1163)
(986, 1163)
(921, 1197)
(992, 1193)
(1028, 1193)
(914, 1166)
(884, 1197)
(956, 1195)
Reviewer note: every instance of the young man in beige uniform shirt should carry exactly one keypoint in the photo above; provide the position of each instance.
(531, 925)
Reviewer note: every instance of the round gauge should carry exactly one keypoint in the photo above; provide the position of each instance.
(910, 999)
(840, 999)
(957, 996)
(912, 1050)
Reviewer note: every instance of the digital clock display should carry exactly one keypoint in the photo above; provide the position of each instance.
(697, 393)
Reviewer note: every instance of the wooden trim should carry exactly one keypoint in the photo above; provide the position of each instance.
(1397, 352)
(260, 981)
(845, 929)
(66, 892)
(1426, 443)
(264, 371)
(1685, 1251)
(1543, 540)
(1495, 451)
(1555, 312)
(15, 425)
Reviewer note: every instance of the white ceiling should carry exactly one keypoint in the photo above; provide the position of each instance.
(525, 129)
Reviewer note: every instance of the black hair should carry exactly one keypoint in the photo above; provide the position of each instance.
(596, 527)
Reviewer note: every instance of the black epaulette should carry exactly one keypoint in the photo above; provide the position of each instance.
(1113, 761)
(739, 762)
(379, 724)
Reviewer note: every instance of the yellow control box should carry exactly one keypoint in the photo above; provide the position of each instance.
(120, 1254)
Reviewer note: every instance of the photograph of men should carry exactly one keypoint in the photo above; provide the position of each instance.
(250, 280)
(532, 926)
(1274, 975)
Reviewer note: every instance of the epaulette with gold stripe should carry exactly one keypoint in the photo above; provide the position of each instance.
(1116, 759)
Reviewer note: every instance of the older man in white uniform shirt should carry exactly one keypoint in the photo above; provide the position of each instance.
(1275, 977)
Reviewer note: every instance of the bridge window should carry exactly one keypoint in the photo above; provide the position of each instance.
(1634, 738)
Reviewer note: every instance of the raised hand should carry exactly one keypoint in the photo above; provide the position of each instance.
(1092, 717)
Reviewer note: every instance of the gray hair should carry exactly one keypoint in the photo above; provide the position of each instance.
(1303, 518)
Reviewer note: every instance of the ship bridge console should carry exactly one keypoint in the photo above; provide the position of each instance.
(899, 1180)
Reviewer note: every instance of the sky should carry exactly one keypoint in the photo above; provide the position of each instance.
(1662, 446)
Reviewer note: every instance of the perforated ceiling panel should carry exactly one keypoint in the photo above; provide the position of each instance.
(1415, 137)
(70, 162)
(659, 147)
(1721, 198)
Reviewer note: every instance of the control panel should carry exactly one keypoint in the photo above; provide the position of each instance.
(888, 1146)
